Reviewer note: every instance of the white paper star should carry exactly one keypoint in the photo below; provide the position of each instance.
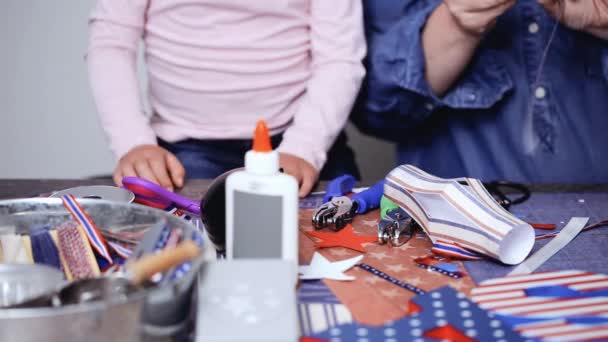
(392, 293)
(396, 268)
(415, 281)
(340, 252)
(321, 268)
(372, 280)
(378, 255)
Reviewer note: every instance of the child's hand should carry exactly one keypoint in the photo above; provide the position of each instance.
(153, 163)
(305, 174)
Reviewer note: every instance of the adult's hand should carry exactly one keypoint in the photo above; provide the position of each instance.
(583, 15)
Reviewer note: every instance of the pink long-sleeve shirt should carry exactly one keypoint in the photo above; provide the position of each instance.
(217, 66)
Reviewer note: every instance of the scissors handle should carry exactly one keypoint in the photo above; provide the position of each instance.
(156, 193)
(339, 186)
(369, 199)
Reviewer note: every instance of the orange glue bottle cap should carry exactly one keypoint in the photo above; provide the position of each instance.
(261, 138)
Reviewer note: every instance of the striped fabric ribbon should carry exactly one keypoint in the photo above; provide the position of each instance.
(454, 251)
(76, 253)
(461, 220)
(122, 251)
(92, 232)
(44, 249)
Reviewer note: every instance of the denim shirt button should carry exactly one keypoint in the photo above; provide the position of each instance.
(472, 97)
(429, 106)
(533, 27)
(540, 93)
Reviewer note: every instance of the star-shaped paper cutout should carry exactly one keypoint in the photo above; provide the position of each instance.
(396, 268)
(392, 293)
(415, 281)
(373, 280)
(321, 268)
(344, 238)
(378, 255)
(340, 252)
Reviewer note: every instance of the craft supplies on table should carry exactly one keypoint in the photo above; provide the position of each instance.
(386, 286)
(585, 252)
(162, 310)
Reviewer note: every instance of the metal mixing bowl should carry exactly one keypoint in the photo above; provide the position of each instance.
(162, 310)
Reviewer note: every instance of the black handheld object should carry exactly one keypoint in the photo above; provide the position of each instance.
(213, 210)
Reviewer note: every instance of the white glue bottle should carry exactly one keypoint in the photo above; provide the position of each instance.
(262, 206)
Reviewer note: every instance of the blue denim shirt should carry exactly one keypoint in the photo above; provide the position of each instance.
(484, 127)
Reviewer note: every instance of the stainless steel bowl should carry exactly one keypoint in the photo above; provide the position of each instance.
(159, 311)
(19, 282)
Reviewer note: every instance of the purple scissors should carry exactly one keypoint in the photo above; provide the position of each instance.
(156, 196)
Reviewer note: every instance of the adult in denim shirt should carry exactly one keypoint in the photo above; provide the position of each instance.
(453, 82)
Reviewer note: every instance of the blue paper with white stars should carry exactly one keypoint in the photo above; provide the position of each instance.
(439, 308)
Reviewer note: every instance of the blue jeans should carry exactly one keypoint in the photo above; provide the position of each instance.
(210, 158)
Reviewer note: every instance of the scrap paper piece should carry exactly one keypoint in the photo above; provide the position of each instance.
(319, 309)
(441, 265)
(444, 314)
(13, 249)
(318, 317)
(312, 201)
(464, 215)
(27, 247)
(564, 237)
(563, 305)
(346, 237)
(315, 291)
(321, 268)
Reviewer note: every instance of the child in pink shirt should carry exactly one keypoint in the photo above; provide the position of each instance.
(217, 66)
